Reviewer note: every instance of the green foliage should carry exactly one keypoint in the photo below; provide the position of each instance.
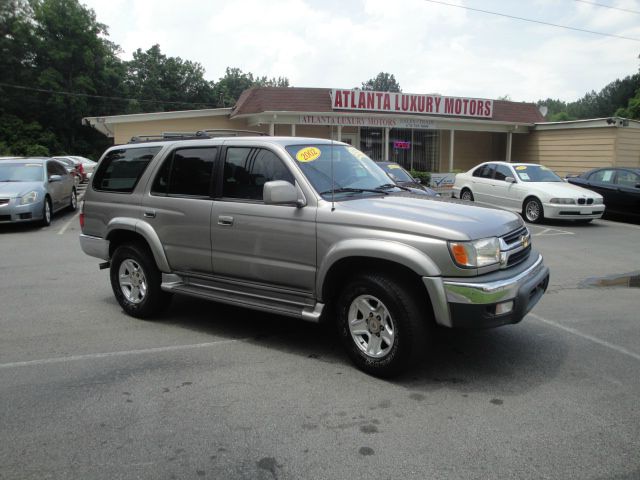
(425, 177)
(602, 104)
(153, 76)
(633, 108)
(383, 82)
(235, 81)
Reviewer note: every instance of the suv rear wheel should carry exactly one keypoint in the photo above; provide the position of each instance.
(135, 281)
(381, 324)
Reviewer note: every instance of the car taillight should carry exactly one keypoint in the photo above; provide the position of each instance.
(80, 168)
(81, 216)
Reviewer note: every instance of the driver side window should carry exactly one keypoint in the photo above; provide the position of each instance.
(247, 169)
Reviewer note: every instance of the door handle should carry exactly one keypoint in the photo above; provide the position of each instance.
(150, 214)
(225, 220)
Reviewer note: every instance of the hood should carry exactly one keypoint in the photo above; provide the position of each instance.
(423, 215)
(17, 189)
(566, 190)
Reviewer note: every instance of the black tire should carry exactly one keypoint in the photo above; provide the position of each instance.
(532, 210)
(143, 297)
(47, 211)
(466, 194)
(409, 320)
(73, 201)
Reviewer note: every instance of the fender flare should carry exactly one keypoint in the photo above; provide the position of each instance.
(147, 232)
(391, 251)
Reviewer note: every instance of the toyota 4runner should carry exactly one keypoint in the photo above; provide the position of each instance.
(307, 228)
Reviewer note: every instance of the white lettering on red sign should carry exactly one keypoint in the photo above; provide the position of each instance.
(364, 100)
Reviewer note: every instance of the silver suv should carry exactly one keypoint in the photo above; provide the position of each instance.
(308, 228)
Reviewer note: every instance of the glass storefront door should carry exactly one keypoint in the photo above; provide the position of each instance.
(412, 148)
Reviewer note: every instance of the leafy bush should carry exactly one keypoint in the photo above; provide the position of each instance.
(425, 177)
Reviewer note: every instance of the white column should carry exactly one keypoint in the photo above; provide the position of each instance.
(452, 139)
(272, 129)
(293, 129)
(509, 143)
(386, 144)
(339, 133)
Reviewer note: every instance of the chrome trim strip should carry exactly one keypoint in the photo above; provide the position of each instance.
(490, 292)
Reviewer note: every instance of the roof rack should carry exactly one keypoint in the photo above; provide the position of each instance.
(199, 135)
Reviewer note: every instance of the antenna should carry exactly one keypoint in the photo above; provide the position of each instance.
(333, 182)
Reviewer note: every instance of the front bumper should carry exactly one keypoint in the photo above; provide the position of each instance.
(472, 302)
(13, 212)
(573, 212)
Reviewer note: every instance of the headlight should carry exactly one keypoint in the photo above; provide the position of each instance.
(597, 201)
(30, 197)
(478, 253)
(563, 201)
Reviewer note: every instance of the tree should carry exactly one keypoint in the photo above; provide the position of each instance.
(632, 109)
(158, 82)
(235, 81)
(383, 82)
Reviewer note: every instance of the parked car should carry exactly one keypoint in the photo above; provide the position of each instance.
(87, 164)
(620, 188)
(307, 228)
(74, 167)
(32, 189)
(530, 189)
(403, 178)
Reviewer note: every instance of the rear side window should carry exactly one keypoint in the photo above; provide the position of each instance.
(186, 172)
(483, 172)
(121, 169)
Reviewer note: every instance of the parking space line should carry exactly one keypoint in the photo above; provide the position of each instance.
(93, 356)
(586, 336)
(549, 232)
(69, 222)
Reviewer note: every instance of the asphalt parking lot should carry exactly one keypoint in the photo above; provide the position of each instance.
(210, 391)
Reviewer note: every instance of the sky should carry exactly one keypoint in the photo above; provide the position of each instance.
(428, 47)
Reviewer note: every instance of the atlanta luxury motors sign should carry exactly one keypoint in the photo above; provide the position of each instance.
(392, 102)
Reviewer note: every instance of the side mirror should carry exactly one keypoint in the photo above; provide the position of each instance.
(510, 180)
(281, 192)
(55, 178)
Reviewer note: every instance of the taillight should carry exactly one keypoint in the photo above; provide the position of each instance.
(80, 168)
(81, 216)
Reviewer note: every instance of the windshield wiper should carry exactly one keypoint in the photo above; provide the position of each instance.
(387, 186)
(10, 180)
(353, 190)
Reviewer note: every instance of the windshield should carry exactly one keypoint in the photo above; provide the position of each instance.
(21, 172)
(353, 172)
(397, 172)
(536, 173)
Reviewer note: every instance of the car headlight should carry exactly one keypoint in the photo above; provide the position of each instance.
(478, 253)
(598, 201)
(30, 197)
(563, 201)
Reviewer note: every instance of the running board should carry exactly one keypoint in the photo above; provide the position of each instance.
(216, 292)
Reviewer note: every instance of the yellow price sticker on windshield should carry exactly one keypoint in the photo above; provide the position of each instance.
(393, 165)
(308, 154)
(521, 167)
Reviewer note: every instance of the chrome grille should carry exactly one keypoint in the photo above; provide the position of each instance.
(4, 201)
(512, 248)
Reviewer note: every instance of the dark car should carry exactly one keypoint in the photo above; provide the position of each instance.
(403, 178)
(620, 188)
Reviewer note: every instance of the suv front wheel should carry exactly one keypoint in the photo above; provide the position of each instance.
(381, 324)
(135, 281)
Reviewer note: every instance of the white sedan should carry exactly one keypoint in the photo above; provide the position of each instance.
(530, 189)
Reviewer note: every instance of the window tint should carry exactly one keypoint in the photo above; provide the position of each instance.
(121, 169)
(484, 171)
(602, 176)
(627, 179)
(246, 170)
(186, 172)
(502, 172)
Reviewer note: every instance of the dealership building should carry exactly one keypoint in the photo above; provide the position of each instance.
(426, 132)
